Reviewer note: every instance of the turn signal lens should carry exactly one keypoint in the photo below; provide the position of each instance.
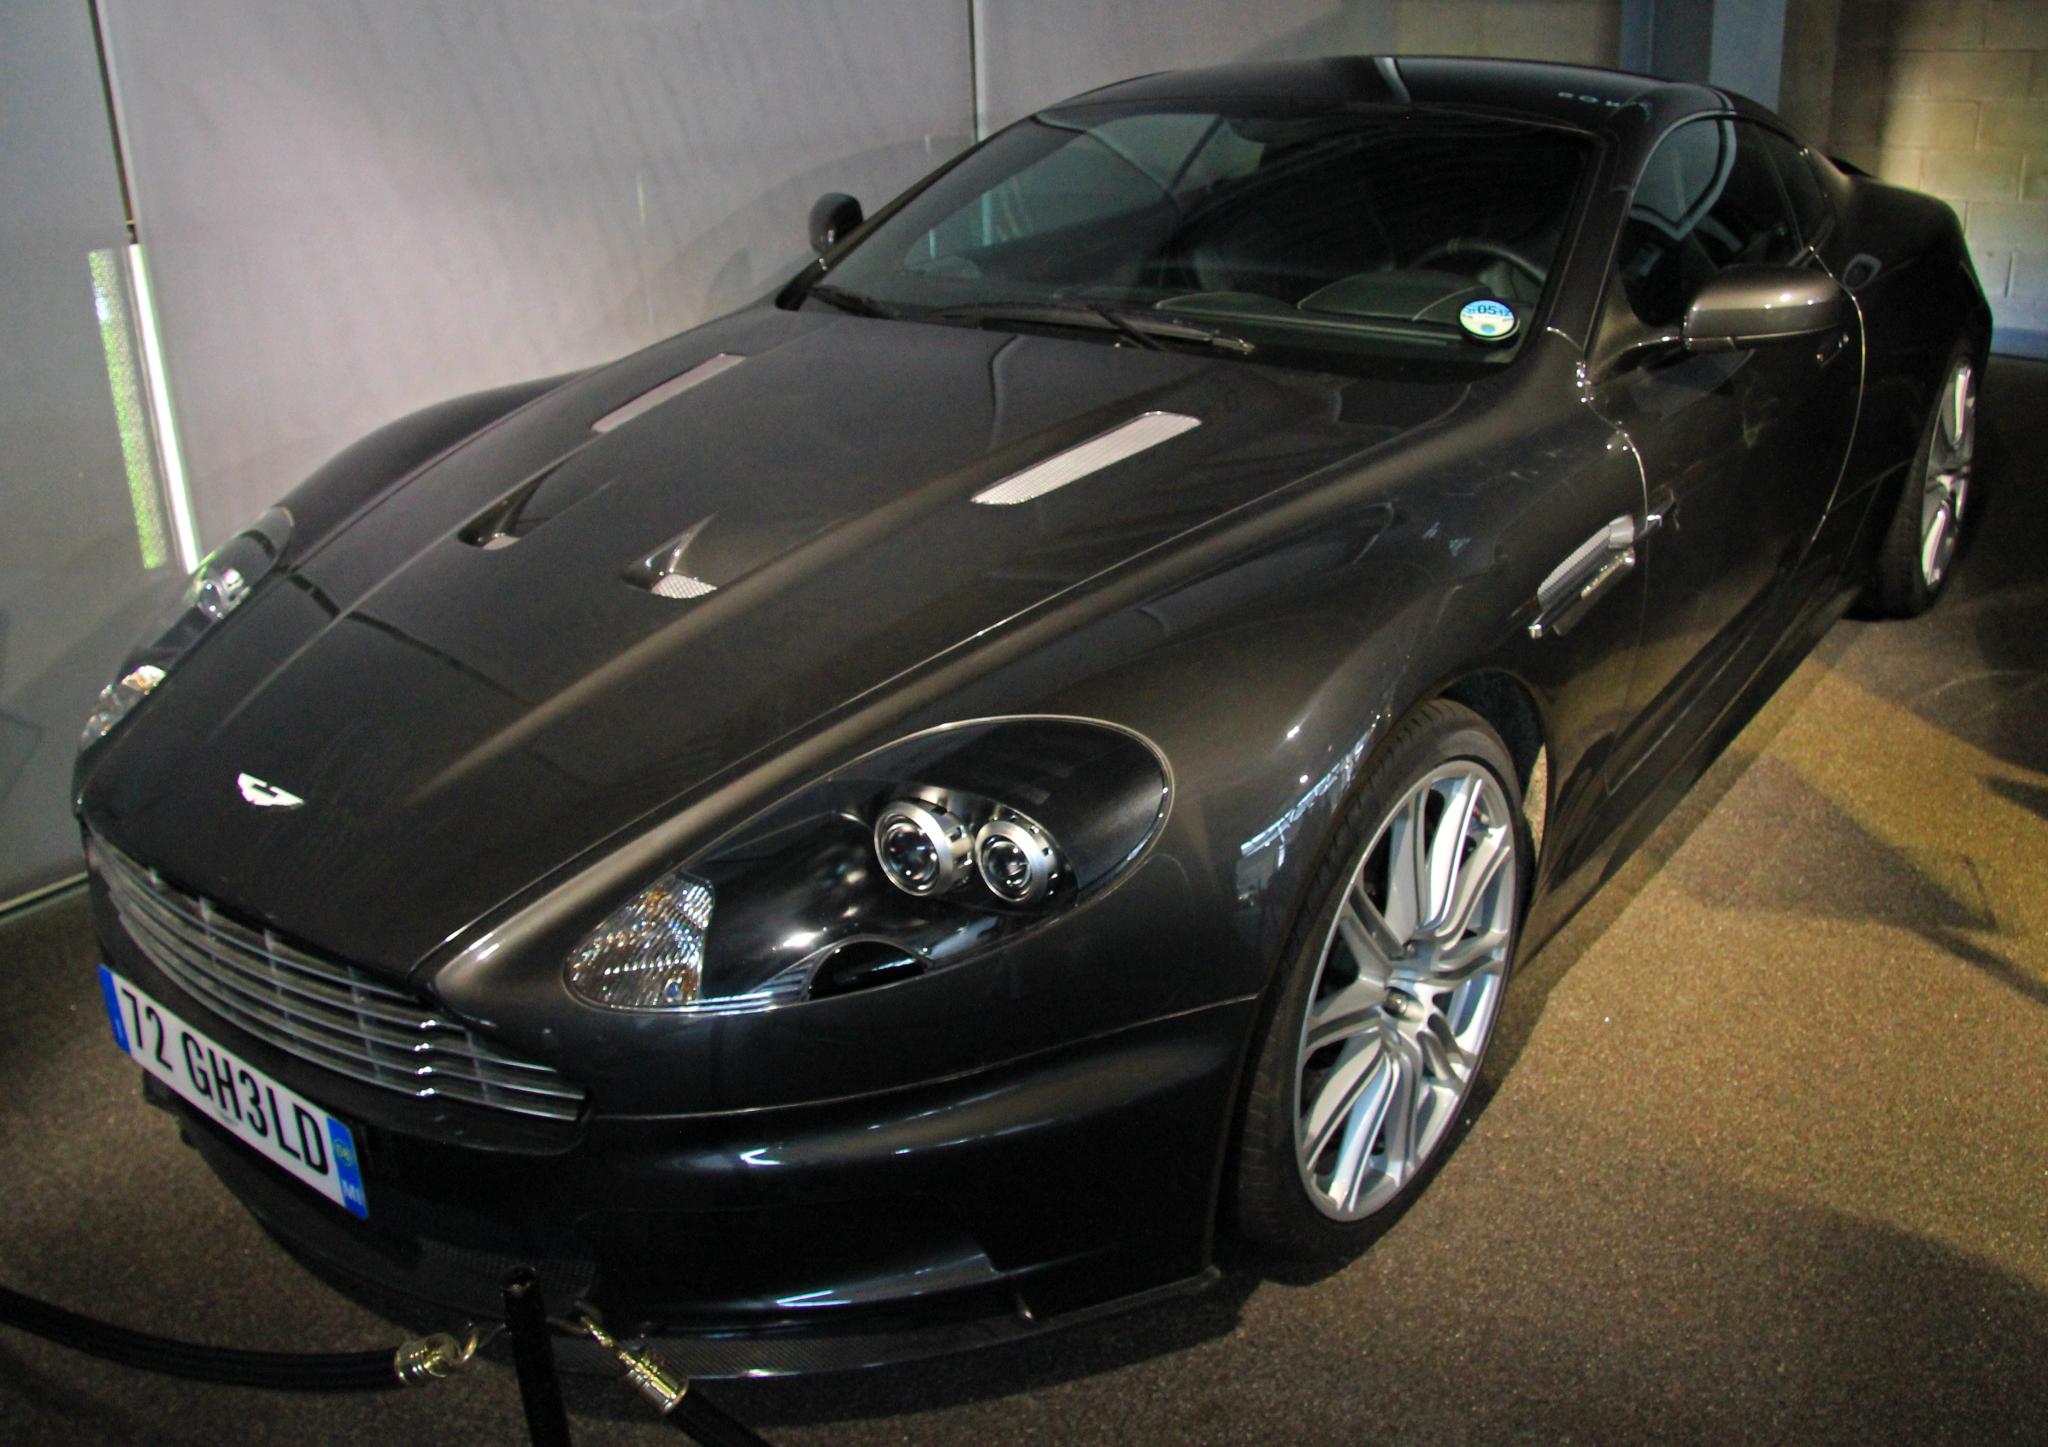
(921, 847)
(649, 952)
(117, 698)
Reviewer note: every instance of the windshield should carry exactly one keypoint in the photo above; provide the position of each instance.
(1310, 238)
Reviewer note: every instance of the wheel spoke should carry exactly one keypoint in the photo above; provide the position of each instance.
(1339, 1096)
(1407, 864)
(1447, 849)
(1361, 1129)
(1343, 1014)
(1437, 1041)
(1931, 541)
(1400, 1132)
(1475, 876)
(1956, 410)
(1373, 946)
(1471, 956)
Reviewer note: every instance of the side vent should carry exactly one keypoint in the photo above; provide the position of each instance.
(1127, 439)
(663, 572)
(704, 371)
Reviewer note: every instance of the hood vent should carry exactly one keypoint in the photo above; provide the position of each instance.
(704, 371)
(662, 572)
(1126, 439)
(505, 522)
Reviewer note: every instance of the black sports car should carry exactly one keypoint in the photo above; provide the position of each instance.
(882, 821)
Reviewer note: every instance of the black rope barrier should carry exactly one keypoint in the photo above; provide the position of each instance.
(681, 1405)
(702, 1420)
(367, 1371)
(411, 1363)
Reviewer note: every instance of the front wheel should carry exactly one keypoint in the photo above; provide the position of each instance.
(1920, 544)
(1390, 988)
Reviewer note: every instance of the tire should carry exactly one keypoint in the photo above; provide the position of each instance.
(1917, 553)
(1339, 1131)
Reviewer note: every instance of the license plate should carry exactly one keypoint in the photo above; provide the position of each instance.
(273, 1120)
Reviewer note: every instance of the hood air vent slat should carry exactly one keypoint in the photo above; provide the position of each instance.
(1126, 439)
(704, 371)
(662, 572)
(504, 523)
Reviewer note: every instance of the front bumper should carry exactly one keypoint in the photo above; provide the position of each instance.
(958, 1212)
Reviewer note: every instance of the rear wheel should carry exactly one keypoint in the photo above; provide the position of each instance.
(1390, 990)
(1919, 547)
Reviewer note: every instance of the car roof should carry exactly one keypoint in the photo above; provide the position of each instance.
(1582, 96)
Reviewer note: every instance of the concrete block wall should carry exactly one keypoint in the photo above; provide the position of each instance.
(1951, 97)
(1034, 53)
(1581, 32)
(1806, 84)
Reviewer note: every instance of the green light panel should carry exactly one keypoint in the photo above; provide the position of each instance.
(131, 404)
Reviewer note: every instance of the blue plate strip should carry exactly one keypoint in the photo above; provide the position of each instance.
(347, 1170)
(113, 999)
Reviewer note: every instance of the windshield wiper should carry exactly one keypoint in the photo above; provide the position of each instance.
(848, 301)
(1154, 325)
(1142, 327)
(1122, 324)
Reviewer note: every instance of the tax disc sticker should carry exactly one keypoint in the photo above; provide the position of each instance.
(1490, 321)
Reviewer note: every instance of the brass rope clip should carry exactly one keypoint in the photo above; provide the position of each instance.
(646, 1373)
(428, 1359)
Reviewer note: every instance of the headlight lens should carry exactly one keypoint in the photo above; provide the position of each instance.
(220, 585)
(922, 847)
(1016, 858)
(907, 861)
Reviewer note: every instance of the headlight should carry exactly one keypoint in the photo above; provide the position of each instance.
(910, 860)
(219, 586)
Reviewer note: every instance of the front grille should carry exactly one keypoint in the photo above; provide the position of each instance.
(328, 1014)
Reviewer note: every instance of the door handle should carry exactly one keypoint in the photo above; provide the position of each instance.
(1590, 569)
(1831, 347)
(1661, 507)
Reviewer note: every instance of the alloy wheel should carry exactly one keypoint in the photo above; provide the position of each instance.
(1410, 980)
(1946, 480)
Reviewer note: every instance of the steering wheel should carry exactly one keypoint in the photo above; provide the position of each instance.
(1480, 246)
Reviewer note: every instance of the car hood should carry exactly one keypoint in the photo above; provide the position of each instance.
(468, 693)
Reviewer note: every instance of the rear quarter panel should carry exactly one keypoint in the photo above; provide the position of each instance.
(1923, 300)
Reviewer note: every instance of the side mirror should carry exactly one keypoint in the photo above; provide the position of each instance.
(833, 216)
(1749, 306)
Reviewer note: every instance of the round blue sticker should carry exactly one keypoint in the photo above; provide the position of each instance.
(1490, 321)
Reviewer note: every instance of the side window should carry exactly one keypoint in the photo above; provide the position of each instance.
(1809, 203)
(1708, 199)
